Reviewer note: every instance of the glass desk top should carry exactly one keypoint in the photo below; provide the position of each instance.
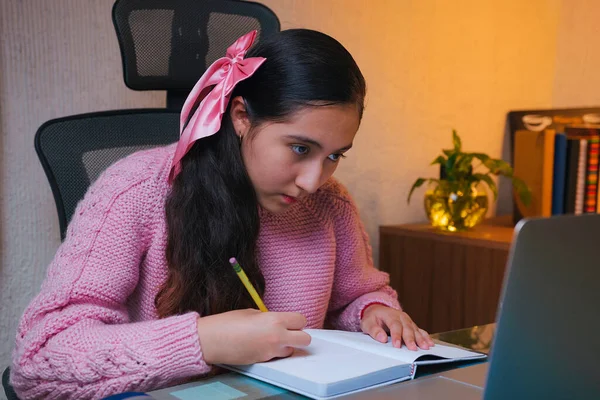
(477, 338)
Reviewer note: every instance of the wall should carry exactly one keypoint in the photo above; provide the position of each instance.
(576, 80)
(433, 66)
(430, 65)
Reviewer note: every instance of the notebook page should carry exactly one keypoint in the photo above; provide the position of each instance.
(325, 369)
(359, 340)
(324, 362)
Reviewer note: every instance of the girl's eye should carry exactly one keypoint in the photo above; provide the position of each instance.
(300, 150)
(336, 157)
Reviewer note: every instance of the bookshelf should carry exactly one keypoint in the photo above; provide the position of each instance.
(555, 152)
(447, 281)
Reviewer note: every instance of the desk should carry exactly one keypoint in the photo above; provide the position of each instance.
(445, 280)
(478, 338)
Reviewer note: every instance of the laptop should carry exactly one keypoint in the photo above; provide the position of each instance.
(545, 344)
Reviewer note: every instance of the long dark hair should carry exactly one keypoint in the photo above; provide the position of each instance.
(212, 209)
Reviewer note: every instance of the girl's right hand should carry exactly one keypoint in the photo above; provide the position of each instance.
(249, 336)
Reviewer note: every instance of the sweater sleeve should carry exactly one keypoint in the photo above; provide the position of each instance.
(75, 339)
(357, 283)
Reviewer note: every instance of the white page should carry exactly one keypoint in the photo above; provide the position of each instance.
(324, 362)
(359, 340)
(338, 362)
(324, 369)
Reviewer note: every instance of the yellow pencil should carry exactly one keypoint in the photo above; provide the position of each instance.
(240, 272)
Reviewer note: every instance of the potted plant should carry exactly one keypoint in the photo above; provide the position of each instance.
(457, 201)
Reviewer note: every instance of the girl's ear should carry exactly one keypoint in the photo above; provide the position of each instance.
(239, 116)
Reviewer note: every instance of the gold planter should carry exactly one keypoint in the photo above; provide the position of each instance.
(451, 209)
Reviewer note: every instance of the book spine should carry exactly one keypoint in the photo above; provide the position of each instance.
(581, 171)
(598, 202)
(572, 165)
(548, 171)
(591, 182)
(560, 169)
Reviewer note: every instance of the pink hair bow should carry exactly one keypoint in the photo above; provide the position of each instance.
(214, 90)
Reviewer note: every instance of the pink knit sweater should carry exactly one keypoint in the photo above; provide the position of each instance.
(93, 329)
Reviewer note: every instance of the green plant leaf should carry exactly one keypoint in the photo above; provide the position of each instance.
(450, 172)
(501, 167)
(447, 152)
(463, 165)
(418, 183)
(489, 181)
(490, 164)
(456, 141)
(480, 156)
(439, 160)
(522, 190)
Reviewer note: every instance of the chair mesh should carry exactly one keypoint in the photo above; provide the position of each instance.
(165, 45)
(75, 150)
(220, 39)
(152, 42)
(168, 45)
(8, 389)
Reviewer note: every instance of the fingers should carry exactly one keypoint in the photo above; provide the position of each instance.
(297, 339)
(403, 329)
(292, 340)
(396, 331)
(420, 339)
(285, 351)
(371, 327)
(428, 338)
(400, 330)
(291, 320)
(378, 334)
(408, 335)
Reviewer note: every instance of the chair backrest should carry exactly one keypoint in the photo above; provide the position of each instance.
(8, 389)
(167, 45)
(75, 150)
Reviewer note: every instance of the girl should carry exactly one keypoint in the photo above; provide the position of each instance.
(140, 295)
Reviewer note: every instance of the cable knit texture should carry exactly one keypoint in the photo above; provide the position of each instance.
(93, 330)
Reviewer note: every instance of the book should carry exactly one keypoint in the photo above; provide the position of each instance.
(560, 172)
(591, 180)
(573, 156)
(534, 164)
(581, 175)
(550, 118)
(590, 133)
(538, 120)
(339, 363)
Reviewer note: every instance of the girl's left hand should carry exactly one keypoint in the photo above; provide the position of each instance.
(379, 320)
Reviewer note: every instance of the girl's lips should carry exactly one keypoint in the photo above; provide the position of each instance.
(288, 199)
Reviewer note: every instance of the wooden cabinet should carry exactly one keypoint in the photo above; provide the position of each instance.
(444, 280)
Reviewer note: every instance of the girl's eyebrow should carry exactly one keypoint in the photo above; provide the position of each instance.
(314, 142)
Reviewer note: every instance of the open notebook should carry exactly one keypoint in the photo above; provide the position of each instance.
(338, 363)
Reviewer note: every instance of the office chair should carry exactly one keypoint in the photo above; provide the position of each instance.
(165, 45)
(75, 150)
(8, 390)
